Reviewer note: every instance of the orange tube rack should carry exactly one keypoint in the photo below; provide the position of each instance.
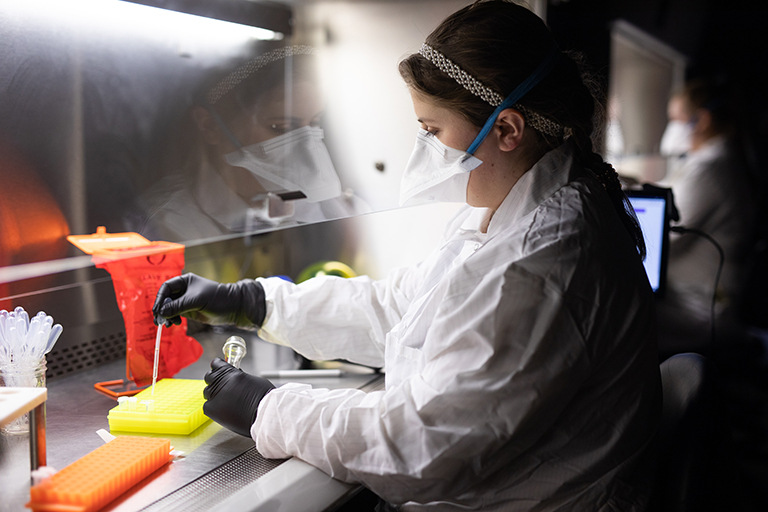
(94, 480)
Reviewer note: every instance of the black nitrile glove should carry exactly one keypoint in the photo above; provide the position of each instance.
(200, 299)
(232, 396)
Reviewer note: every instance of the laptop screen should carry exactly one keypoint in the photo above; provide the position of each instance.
(651, 211)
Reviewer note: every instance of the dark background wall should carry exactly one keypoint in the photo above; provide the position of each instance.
(723, 39)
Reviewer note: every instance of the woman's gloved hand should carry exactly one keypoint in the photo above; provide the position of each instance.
(232, 396)
(200, 299)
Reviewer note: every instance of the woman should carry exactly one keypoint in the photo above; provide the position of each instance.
(520, 357)
(250, 156)
(713, 194)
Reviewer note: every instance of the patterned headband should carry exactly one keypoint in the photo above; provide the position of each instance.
(473, 85)
(230, 81)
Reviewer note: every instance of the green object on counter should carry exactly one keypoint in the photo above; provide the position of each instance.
(326, 268)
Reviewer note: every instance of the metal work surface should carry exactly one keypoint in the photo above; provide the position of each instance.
(217, 485)
(212, 454)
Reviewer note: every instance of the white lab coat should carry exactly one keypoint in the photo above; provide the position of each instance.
(521, 369)
(712, 194)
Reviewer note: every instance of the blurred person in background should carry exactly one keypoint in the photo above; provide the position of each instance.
(712, 193)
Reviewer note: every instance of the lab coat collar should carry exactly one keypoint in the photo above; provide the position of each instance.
(711, 148)
(548, 175)
(470, 228)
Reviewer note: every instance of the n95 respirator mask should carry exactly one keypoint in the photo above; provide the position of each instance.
(676, 139)
(436, 172)
(295, 161)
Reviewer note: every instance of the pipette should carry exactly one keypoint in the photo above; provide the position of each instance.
(157, 348)
(234, 350)
(157, 356)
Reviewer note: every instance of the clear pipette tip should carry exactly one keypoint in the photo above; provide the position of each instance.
(157, 348)
(157, 357)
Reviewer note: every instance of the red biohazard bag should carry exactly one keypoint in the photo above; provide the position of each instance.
(138, 267)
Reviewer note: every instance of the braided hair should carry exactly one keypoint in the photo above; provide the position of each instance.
(502, 43)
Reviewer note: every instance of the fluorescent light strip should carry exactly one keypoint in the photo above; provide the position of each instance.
(120, 16)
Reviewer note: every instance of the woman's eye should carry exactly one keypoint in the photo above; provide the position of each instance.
(280, 128)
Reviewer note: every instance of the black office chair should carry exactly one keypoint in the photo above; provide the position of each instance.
(697, 471)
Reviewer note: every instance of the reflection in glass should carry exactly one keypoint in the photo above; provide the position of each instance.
(86, 87)
(248, 155)
(102, 123)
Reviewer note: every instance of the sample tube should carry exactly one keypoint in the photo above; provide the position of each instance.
(234, 350)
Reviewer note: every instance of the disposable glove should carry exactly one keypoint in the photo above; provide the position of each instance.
(200, 299)
(232, 396)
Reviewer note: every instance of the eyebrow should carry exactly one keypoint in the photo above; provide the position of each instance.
(424, 120)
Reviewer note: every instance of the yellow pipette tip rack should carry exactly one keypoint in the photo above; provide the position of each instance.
(175, 408)
(94, 480)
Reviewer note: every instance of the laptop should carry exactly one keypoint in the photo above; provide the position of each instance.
(653, 207)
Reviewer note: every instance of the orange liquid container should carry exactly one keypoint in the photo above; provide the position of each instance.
(94, 480)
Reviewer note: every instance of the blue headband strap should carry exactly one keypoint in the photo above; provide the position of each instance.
(543, 70)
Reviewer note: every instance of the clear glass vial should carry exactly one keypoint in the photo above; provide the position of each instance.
(22, 375)
(234, 350)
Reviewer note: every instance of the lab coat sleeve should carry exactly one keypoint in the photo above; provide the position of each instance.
(329, 317)
(711, 187)
(501, 361)
(697, 196)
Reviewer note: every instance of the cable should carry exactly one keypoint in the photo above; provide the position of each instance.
(683, 230)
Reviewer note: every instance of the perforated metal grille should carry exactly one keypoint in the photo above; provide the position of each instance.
(72, 358)
(217, 485)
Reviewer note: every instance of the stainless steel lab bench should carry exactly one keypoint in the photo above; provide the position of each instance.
(220, 470)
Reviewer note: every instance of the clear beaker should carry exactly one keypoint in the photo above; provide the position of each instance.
(22, 375)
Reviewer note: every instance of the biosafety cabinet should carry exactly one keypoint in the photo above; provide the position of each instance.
(94, 104)
(94, 98)
(95, 131)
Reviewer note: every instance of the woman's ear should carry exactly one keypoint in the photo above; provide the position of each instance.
(510, 124)
(703, 121)
(207, 125)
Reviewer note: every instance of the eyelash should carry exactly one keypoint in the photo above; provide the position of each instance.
(281, 129)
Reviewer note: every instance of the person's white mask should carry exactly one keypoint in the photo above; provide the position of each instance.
(676, 140)
(436, 172)
(295, 161)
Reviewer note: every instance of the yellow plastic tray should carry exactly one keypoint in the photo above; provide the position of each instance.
(175, 408)
(94, 480)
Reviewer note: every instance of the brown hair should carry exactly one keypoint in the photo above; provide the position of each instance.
(711, 95)
(501, 43)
